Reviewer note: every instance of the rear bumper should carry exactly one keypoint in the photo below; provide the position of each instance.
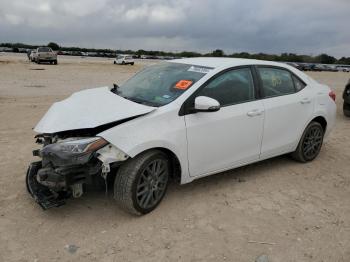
(346, 108)
(47, 58)
(346, 94)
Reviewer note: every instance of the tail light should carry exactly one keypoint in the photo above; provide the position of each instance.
(332, 95)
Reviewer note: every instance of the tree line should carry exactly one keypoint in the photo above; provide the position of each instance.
(284, 57)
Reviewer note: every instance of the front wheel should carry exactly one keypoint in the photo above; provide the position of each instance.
(346, 109)
(310, 143)
(141, 182)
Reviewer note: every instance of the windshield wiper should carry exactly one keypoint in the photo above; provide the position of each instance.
(115, 89)
(141, 101)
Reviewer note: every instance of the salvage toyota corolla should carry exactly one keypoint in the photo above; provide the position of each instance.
(182, 119)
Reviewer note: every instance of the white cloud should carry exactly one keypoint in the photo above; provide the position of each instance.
(44, 7)
(272, 26)
(155, 14)
(81, 8)
(13, 19)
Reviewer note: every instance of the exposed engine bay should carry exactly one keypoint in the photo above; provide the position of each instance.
(69, 163)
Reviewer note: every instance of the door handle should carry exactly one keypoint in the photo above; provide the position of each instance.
(305, 100)
(255, 112)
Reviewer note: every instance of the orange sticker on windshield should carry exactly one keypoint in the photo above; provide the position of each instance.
(183, 84)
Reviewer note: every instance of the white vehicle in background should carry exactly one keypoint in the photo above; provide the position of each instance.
(45, 54)
(32, 55)
(343, 69)
(183, 119)
(124, 60)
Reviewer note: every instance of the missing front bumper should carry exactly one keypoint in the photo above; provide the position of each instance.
(45, 197)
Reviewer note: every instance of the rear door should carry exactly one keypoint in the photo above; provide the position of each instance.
(231, 136)
(288, 104)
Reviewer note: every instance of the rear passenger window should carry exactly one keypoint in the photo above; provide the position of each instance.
(299, 85)
(232, 87)
(276, 82)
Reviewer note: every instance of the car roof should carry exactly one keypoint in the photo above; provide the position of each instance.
(216, 62)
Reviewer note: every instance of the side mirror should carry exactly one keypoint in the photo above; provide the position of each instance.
(206, 104)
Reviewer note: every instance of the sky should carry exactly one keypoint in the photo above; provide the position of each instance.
(307, 27)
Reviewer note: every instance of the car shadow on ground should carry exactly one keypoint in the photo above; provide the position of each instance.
(97, 200)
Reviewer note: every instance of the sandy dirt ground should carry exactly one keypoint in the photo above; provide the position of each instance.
(283, 209)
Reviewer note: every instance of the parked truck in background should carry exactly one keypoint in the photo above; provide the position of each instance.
(45, 54)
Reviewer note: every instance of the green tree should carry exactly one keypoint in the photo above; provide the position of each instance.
(325, 59)
(344, 61)
(53, 46)
(218, 53)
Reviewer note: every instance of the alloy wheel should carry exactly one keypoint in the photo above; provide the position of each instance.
(312, 142)
(152, 183)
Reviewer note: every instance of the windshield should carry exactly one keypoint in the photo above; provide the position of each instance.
(44, 49)
(160, 84)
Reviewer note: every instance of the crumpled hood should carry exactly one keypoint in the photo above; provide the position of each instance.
(89, 109)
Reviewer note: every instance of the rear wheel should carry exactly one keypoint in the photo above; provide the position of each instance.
(55, 62)
(310, 143)
(141, 182)
(346, 109)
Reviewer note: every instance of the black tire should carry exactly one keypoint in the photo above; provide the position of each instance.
(55, 62)
(132, 63)
(346, 109)
(138, 190)
(123, 63)
(38, 61)
(310, 143)
(31, 181)
(114, 62)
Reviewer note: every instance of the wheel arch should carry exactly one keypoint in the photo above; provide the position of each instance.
(322, 121)
(319, 118)
(175, 164)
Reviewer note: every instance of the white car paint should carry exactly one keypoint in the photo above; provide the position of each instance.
(124, 60)
(285, 119)
(204, 143)
(88, 109)
(221, 140)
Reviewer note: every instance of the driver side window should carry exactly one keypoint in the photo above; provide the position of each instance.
(232, 87)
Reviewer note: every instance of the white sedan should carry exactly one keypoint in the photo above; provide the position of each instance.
(124, 60)
(183, 119)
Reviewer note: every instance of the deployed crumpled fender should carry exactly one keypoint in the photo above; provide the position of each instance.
(89, 109)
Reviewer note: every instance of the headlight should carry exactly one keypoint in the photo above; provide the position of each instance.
(72, 151)
(85, 145)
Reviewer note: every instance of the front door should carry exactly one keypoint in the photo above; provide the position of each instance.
(231, 136)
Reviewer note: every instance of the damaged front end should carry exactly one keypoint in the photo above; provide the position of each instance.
(67, 165)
